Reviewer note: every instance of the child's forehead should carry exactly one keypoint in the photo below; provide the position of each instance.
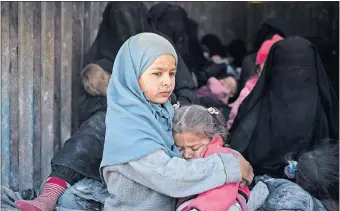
(188, 137)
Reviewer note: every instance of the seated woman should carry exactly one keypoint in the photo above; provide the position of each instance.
(140, 163)
(199, 133)
(292, 107)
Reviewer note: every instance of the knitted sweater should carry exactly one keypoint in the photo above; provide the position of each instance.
(153, 182)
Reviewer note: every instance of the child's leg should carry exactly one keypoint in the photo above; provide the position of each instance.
(58, 181)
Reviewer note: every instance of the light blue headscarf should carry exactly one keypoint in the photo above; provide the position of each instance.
(135, 127)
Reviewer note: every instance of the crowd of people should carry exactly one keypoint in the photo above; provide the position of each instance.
(171, 122)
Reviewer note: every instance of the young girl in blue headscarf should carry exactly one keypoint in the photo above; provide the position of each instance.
(140, 163)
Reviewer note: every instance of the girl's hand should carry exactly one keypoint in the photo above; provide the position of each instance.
(246, 171)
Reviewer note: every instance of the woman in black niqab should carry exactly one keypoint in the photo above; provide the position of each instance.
(292, 107)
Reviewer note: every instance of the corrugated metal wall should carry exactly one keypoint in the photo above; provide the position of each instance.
(241, 20)
(42, 45)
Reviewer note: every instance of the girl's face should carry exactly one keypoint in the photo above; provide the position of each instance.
(190, 146)
(158, 81)
(230, 83)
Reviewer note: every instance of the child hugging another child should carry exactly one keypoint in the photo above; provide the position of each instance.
(199, 133)
(141, 165)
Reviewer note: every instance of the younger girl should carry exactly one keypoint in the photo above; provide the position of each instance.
(199, 133)
(140, 163)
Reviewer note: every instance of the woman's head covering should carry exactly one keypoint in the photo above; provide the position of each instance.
(290, 109)
(135, 127)
(121, 20)
(213, 43)
(237, 49)
(330, 58)
(172, 20)
(197, 60)
(269, 27)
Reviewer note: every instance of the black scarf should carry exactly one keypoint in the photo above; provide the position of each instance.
(121, 20)
(291, 108)
(172, 20)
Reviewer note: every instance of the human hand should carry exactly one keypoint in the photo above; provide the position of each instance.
(246, 171)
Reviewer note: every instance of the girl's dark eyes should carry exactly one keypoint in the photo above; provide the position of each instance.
(159, 74)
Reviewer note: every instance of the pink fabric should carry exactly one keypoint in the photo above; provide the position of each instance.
(214, 88)
(243, 94)
(221, 198)
(265, 48)
(204, 91)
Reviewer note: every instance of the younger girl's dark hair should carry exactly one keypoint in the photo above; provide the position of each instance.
(196, 119)
(317, 172)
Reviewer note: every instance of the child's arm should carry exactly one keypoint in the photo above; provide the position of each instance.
(177, 177)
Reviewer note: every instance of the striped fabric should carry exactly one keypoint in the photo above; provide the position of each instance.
(47, 200)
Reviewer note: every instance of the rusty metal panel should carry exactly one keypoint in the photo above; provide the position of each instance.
(77, 60)
(5, 95)
(37, 95)
(25, 94)
(42, 44)
(66, 72)
(14, 80)
(47, 85)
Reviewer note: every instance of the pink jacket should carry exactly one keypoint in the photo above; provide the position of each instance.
(221, 198)
(243, 94)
